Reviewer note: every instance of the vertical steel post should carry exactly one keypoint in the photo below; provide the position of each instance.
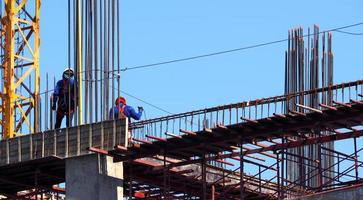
(338, 167)
(164, 175)
(223, 179)
(213, 192)
(356, 159)
(204, 175)
(46, 103)
(320, 175)
(130, 182)
(278, 175)
(241, 167)
(282, 166)
(260, 179)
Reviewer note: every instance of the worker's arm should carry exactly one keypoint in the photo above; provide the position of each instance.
(133, 114)
(113, 113)
(110, 116)
(56, 94)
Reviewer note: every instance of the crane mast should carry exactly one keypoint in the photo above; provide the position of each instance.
(20, 67)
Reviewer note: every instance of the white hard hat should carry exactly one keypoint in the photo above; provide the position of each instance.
(68, 73)
(68, 69)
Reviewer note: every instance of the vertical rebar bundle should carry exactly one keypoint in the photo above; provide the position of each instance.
(93, 52)
(309, 67)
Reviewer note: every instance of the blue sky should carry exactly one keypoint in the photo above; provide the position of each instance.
(154, 31)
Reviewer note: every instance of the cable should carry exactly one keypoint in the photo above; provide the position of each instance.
(126, 93)
(231, 50)
(349, 33)
(208, 55)
(152, 105)
(141, 100)
(145, 117)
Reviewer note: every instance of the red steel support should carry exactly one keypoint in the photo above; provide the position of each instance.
(156, 138)
(356, 101)
(173, 135)
(327, 107)
(97, 150)
(142, 141)
(188, 132)
(224, 162)
(121, 149)
(249, 120)
(342, 104)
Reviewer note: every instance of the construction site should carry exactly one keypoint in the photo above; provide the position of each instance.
(304, 143)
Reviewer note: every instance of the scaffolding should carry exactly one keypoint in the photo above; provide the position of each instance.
(178, 157)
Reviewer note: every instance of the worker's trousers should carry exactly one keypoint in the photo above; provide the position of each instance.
(59, 119)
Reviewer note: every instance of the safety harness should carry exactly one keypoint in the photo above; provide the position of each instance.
(121, 112)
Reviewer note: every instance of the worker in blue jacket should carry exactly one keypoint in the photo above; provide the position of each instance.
(63, 98)
(122, 110)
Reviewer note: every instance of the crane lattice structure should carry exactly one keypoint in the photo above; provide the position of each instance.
(20, 67)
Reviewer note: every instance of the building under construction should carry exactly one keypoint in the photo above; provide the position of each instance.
(280, 147)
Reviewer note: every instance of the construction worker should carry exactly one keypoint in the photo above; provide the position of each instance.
(122, 110)
(64, 95)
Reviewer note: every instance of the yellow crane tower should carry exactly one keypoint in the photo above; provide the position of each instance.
(20, 65)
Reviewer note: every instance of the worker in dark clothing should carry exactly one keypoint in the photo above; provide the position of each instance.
(122, 110)
(64, 95)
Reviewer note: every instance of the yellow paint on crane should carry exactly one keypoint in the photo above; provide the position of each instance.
(12, 99)
(79, 64)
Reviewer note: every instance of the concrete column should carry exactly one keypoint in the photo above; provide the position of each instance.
(94, 177)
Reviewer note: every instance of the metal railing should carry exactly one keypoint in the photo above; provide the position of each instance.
(238, 112)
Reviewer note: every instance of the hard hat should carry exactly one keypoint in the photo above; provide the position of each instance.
(67, 73)
(120, 100)
(68, 69)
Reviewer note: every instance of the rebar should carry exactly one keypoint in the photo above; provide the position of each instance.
(303, 73)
